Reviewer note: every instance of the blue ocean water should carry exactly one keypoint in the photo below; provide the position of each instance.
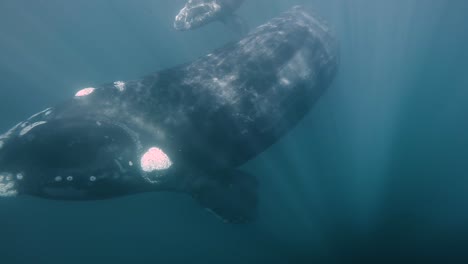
(378, 169)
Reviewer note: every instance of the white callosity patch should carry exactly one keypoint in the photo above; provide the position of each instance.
(7, 186)
(25, 130)
(155, 159)
(10, 132)
(45, 112)
(8, 189)
(58, 178)
(119, 85)
(196, 13)
(19, 176)
(85, 92)
(70, 178)
(24, 125)
(92, 178)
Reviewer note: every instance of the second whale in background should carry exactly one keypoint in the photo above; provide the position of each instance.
(198, 13)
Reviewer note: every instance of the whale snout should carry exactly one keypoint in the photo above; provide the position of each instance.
(46, 157)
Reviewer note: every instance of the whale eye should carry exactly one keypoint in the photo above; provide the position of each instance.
(155, 159)
(85, 92)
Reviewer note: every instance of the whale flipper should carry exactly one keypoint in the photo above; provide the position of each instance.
(232, 196)
(236, 24)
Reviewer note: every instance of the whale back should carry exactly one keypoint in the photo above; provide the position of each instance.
(224, 108)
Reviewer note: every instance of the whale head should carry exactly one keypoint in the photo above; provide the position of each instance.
(74, 151)
(197, 13)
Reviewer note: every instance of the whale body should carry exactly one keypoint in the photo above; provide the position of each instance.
(184, 129)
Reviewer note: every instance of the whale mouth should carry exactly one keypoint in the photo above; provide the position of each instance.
(72, 148)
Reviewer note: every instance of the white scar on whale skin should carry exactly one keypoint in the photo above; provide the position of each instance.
(85, 92)
(25, 130)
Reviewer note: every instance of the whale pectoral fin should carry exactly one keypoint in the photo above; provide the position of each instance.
(236, 24)
(232, 197)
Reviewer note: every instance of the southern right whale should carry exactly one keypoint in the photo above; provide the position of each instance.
(184, 129)
(197, 13)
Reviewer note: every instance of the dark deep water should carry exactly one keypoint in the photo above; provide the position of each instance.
(378, 169)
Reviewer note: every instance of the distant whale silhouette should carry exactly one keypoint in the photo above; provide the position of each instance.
(197, 13)
(184, 129)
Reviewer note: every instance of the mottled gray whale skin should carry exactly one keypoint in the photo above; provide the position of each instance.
(198, 13)
(184, 129)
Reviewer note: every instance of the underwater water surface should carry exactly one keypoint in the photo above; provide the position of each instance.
(377, 170)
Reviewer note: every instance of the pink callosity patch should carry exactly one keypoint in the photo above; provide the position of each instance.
(155, 159)
(85, 92)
